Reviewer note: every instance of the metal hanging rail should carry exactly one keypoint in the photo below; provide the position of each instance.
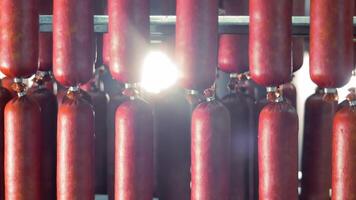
(161, 25)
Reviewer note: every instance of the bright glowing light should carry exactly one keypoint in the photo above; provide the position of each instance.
(158, 72)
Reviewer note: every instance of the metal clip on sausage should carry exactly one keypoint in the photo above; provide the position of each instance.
(274, 95)
(19, 87)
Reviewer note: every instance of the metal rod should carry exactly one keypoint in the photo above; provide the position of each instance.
(161, 25)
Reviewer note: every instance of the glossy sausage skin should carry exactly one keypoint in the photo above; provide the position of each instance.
(75, 149)
(343, 155)
(5, 96)
(48, 105)
(23, 149)
(298, 42)
(331, 47)
(197, 42)
(270, 41)
(113, 104)
(316, 159)
(73, 41)
(233, 53)
(210, 152)
(6, 83)
(129, 37)
(19, 27)
(172, 145)
(289, 91)
(240, 149)
(45, 39)
(134, 151)
(233, 48)
(278, 152)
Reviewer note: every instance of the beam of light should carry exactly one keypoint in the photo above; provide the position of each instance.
(158, 72)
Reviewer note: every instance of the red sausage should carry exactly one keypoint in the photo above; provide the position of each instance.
(172, 145)
(343, 154)
(278, 152)
(114, 102)
(73, 41)
(331, 47)
(298, 42)
(289, 91)
(233, 53)
(75, 148)
(316, 159)
(45, 39)
(128, 47)
(19, 27)
(5, 96)
(6, 83)
(240, 141)
(23, 149)
(99, 102)
(197, 42)
(233, 49)
(210, 152)
(48, 105)
(270, 41)
(134, 151)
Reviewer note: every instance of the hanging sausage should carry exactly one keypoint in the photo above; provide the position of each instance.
(6, 83)
(99, 102)
(210, 151)
(113, 104)
(23, 135)
(22, 119)
(241, 132)
(133, 120)
(316, 159)
(233, 48)
(73, 50)
(278, 150)
(73, 43)
(343, 153)
(75, 149)
(5, 96)
(289, 91)
(270, 59)
(134, 150)
(297, 41)
(172, 145)
(331, 51)
(196, 42)
(47, 102)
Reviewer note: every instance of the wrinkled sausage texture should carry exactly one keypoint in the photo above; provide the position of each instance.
(73, 41)
(19, 26)
(128, 47)
(316, 158)
(331, 51)
(343, 154)
(134, 177)
(75, 148)
(210, 152)
(269, 52)
(23, 135)
(278, 152)
(197, 42)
